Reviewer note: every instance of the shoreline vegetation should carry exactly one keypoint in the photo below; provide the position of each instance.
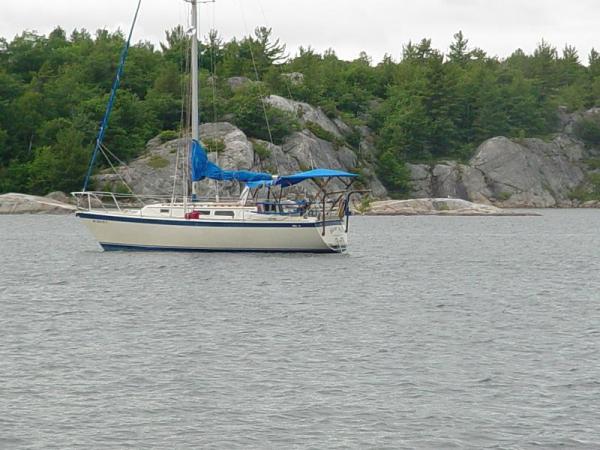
(420, 106)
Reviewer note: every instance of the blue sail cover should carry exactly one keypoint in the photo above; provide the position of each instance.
(198, 161)
(201, 168)
(289, 180)
(259, 184)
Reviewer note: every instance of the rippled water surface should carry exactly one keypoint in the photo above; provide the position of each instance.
(431, 333)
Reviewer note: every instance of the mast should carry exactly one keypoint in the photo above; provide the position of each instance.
(194, 64)
(194, 72)
(111, 101)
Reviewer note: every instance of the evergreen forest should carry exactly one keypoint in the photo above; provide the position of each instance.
(422, 104)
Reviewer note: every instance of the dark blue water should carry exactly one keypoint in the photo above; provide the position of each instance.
(433, 332)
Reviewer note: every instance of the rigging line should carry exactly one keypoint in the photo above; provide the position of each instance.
(111, 101)
(186, 120)
(173, 193)
(104, 148)
(287, 81)
(262, 100)
(214, 82)
(182, 117)
(267, 24)
(101, 149)
(211, 80)
(214, 64)
(113, 155)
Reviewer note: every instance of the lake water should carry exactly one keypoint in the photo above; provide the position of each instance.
(433, 332)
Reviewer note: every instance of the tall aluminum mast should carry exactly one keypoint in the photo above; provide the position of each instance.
(194, 68)
(194, 114)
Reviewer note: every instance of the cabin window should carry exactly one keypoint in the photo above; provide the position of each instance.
(224, 213)
(164, 211)
(204, 213)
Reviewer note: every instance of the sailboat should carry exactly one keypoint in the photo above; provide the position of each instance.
(251, 222)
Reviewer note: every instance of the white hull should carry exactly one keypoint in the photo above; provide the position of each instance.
(122, 231)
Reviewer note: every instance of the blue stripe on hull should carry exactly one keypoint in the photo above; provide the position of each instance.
(204, 223)
(145, 248)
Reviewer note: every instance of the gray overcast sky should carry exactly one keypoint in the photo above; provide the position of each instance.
(348, 26)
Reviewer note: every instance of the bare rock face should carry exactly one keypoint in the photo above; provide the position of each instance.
(567, 122)
(420, 177)
(31, 204)
(368, 157)
(59, 196)
(435, 206)
(525, 173)
(532, 172)
(238, 153)
(591, 204)
(310, 151)
(294, 78)
(152, 173)
(307, 113)
(236, 83)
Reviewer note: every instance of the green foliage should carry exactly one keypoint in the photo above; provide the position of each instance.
(214, 145)
(261, 151)
(593, 163)
(118, 187)
(589, 190)
(364, 205)
(168, 135)
(459, 51)
(321, 133)
(59, 167)
(353, 139)
(121, 188)
(361, 180)
(249, 109)
(53, 94)
(424, 106)
(260, 51)
(503, 196)
(588, 130)
(594, 181)
(157, 162)
(393, 174)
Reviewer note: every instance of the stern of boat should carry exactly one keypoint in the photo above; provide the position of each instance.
(335, 237)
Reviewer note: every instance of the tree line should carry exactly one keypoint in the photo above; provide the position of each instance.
(423, 106)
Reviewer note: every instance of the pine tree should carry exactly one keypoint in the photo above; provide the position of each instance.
(459, 52)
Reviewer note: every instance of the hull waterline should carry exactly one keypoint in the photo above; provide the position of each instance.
(123, 232)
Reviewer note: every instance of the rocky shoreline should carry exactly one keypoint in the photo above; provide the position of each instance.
(438, 207)
(58, 203)
(53, 203)
(518, 173)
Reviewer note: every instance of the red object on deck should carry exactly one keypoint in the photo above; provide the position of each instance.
(192, 215)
